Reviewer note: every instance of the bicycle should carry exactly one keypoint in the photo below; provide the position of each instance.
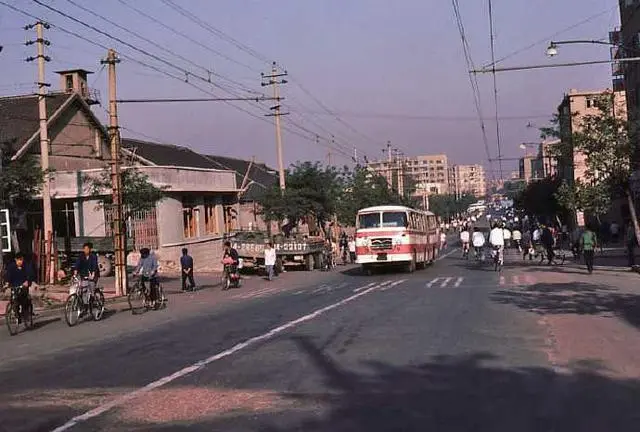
(559, 256)
(465, 250)
(82, 300)
(143, 296)
(230, 277)
(498, 259)
(19, 311)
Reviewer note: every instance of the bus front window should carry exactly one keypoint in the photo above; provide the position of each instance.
(394, 220)
(369, 220)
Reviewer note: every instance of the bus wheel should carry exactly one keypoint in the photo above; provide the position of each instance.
(366, 270)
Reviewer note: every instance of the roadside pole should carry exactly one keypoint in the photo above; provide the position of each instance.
(272, 80)
(116, 178)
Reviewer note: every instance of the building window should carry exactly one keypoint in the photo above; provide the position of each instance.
(189, 223)
(590, 102)
(68, 82)
(210, 216)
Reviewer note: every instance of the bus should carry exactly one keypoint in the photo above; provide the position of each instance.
(396, 235)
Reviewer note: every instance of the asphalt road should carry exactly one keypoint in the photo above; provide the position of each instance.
(316, 351)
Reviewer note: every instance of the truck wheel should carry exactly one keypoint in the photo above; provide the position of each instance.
(279, 267)
(105, 265)
(317, 261)
(309, 262)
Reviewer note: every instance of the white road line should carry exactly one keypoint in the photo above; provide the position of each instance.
(430, 284)
(516, 280)
(322, 287)
(393, 284)
(364, 287)
(458, 282)
(298, 292)
(447, 254)
(202, 363)
(445, 282)
(502, 281)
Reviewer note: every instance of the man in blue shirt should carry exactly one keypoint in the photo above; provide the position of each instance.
(87, 264)
(20, 274)
(147, 268)
(186, 264)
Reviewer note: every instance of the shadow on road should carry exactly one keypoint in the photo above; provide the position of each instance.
(573, 298)
(448, 393)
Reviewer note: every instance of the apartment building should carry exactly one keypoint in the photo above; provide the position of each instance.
(467, 179)
(575, 105)
(430, 173)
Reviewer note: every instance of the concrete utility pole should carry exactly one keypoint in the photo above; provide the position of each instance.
(47, 216)
(272, 80)
(116, 178)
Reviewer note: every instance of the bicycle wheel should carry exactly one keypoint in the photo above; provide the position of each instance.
(11, 319)
(96, 305)
(27, 317)
(136, 298)
(72, 310)
(159, 297)
(226, 283)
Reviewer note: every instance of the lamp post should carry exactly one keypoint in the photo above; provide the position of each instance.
(552, 49)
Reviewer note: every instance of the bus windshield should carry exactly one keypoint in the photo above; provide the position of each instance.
(394, 219)
(369, 220)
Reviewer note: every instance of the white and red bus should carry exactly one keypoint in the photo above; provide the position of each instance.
(388, 235)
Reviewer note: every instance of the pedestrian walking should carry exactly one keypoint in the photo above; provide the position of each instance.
(631, 241)
(352, 250)
(269, 259)
(588, 244)
(186, 264)
(548, 240)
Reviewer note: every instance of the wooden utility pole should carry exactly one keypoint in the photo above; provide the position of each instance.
(119, 242)
(47, 216)
(272, 80)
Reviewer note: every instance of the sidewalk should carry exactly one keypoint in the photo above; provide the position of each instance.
(592, 322)
(49, 300)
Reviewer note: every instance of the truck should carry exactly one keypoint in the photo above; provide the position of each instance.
(296, 250)
(70, 248)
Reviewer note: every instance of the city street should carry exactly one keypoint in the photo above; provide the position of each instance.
(453, 347)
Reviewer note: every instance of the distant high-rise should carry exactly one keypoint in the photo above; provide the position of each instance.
(467, 179)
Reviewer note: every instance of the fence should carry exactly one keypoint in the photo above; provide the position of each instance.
(142, 227)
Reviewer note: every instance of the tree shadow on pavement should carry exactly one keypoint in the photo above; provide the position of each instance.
(573, 298)
(447, 393)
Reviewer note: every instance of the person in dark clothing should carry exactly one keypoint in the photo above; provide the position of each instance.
(630, 238)
(230, 252)
(87, 264)
(547, 242)
(20, 274)
(186, 263)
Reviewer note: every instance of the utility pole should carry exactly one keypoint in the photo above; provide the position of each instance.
(273, 81)
(47, 216)
(119, 242)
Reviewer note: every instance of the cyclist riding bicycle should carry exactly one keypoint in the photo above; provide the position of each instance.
(496, 240)
(464, 239)
(147, 269)
(19, 275)
(230, 258)
(478, 241)
(87, 268)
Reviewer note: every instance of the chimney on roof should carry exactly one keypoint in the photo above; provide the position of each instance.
(75, 81)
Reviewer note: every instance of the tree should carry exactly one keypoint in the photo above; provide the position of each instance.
(313, 191)
(138, 193)
(20, 180)
(450, 205)
(543, 198)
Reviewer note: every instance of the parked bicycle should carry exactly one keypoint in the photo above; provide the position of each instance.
(19, 310)
(85, 299)
(146, 293)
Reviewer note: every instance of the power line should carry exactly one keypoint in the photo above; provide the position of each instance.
(187, 37)
(472, 78)
(495, 83)
(397, 116)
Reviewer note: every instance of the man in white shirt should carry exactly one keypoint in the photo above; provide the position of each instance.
(464, 239)
(496, 240)
(507, 236)
(478, 241)
(517, 239)
(352, 250)
(269, 259)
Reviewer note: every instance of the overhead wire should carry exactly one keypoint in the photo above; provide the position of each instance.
(492, 41)
(472, 80)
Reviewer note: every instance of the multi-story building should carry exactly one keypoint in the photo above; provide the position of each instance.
(429, 173)
(467, 179)
(575, 105)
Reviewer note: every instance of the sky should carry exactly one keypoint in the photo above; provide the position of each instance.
(360, 72)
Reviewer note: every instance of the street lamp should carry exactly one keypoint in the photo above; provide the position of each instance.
(552, 49)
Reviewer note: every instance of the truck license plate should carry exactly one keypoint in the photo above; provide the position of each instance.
(382, 257)
(298, 257)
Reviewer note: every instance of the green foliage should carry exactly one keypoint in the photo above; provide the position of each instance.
(543, 198)
(447, 206)
(138, 193)
(20, 180)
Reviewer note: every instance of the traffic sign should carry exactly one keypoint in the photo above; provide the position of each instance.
(5, 231)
